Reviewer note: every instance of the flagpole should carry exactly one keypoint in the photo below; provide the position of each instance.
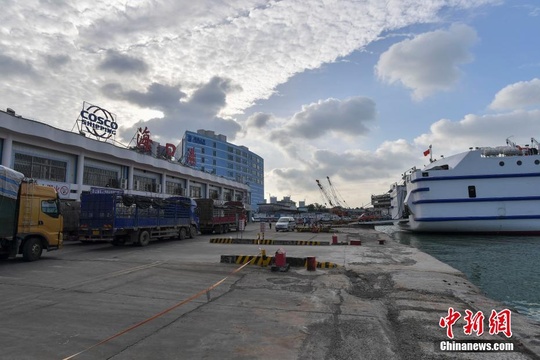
(430, 154)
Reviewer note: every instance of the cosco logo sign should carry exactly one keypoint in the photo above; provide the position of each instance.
(98, 121)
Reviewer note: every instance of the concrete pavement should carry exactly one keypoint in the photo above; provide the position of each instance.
(382, 302)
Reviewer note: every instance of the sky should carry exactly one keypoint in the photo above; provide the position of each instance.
(353, 90)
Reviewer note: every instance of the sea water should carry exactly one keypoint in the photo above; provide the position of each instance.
(505, 268)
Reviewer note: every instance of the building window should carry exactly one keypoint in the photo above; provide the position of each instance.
(194, 191)
(173, 188)
(100, 177)
(40, 168)
(141, 183)
(214, 194)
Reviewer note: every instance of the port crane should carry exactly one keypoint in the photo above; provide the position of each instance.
(332, 198)
(336, 195)
(325, 194)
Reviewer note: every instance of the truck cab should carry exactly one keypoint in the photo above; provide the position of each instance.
(30, 217)
(40, 224)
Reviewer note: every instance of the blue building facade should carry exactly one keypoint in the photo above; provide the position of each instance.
(211, 153)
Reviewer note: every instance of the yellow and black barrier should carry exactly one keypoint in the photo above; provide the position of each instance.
(267, 242)
(261, 260)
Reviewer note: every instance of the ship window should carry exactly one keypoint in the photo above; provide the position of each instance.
(472, 191)
(501, 163)
(537, 162)
(519, 162)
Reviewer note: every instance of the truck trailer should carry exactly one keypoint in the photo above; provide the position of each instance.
(30, 218)
(220, 218)
(130, 219)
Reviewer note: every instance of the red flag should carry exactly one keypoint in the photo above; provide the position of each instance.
(426, 153)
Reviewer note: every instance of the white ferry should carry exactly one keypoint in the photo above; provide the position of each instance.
(484, 190)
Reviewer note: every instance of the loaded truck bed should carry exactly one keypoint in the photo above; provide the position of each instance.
(135, 219)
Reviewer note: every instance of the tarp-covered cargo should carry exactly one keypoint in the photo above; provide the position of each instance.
(10, 182)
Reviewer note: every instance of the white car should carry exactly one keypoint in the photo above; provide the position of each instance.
(286, 223)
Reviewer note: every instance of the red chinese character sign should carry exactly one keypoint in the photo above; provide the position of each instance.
(170, 150)
(143, 140)
(190, 158)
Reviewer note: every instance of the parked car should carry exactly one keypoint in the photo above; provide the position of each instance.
(286, 223)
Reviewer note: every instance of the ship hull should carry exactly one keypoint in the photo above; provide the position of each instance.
(474, 193)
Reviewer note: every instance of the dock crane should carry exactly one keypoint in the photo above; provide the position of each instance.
(326, 197)
(338, 199)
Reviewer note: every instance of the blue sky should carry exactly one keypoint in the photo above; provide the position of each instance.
(353, 90)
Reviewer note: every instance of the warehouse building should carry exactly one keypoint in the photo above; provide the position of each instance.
(89, 159)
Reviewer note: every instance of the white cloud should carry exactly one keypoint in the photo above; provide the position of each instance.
(429, 62)
(200, 64)
(449, 137)
(258, 44)
(519, 95)
(360, 173)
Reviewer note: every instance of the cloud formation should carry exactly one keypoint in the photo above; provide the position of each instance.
(179, 110)
(181, 65)
(517, 96)
(429, 62)
(123, 64)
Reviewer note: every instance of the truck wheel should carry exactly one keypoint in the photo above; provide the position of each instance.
(32, 249)
(182, 234)
(218, 229)
(192, 232)
(144, 238)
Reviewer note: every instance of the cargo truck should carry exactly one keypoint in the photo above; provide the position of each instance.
(30, 218)
(220, 218)
(70, 211)
(130, 219)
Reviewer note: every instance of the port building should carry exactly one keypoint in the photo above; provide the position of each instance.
(209, 152)
(88, 160)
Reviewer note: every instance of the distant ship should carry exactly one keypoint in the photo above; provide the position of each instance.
(484, 190)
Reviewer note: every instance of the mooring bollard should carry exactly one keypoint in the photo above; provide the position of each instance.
(311, 263)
